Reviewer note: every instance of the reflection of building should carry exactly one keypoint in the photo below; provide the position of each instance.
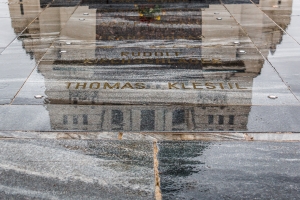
(116, 47)
(149, 118)
(281, 16)
(106, 19)
(23, 14)
(41, 31)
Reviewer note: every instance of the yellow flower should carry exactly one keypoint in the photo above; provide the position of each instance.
(157, 18)
(141, 15)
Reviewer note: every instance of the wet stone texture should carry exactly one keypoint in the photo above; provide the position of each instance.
(149, 99)
(74, 169)
(229, 170)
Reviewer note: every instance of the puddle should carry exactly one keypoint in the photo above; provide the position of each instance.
(152, 65)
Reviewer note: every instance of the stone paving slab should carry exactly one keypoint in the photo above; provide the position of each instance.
(14, 73)
(149, 99)
(7, 33)
(225, 170)
(121, 169)
(76, 169)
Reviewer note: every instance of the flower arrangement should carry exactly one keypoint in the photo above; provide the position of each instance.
(148, 13)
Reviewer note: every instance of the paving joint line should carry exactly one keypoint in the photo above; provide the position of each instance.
(43, 55)
(157, 189)
(288, 87)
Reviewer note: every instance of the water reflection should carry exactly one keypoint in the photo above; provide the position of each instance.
(179, 160)
(185, 64)
(149, 118)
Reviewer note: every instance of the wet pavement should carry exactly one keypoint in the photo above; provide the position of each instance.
(149, 99)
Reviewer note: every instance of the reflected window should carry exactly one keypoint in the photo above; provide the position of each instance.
(21, 8)
(221, 119)
(65, 119)
(117, 120)
(147, 120)
(178, 117)
(231, 119)
(75, 119)
(85, 119)
(210, 119)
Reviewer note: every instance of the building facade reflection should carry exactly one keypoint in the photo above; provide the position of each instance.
(116, 43)
(149, 118)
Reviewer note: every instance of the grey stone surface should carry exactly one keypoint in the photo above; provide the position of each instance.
(15, 67)
(229, 170)
(111, 169)
(138, 99)
(76, 169)
(7, 33)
